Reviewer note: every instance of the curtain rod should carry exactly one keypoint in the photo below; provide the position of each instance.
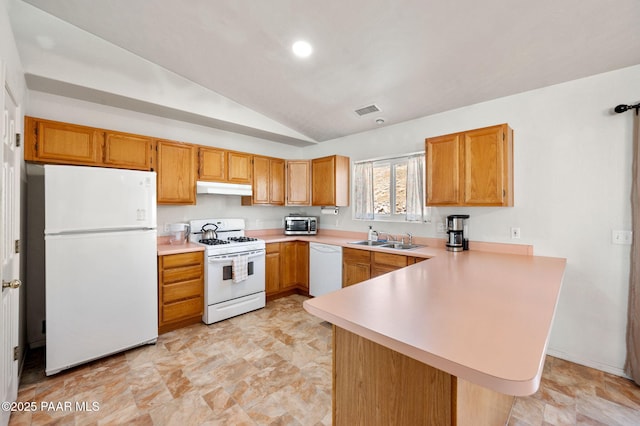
(622, 108)
(391, 157)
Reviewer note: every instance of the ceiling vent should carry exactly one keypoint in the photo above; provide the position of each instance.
(367, 110)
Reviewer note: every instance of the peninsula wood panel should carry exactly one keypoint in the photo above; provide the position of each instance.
(475, 405)
(374, 385)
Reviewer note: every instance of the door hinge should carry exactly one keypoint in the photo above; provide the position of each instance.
(16, 351)
(17, 139)
(16, 246)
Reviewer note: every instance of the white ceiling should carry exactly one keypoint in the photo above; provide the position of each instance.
(412, 58)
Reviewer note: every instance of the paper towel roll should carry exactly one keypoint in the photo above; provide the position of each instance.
(329, 210)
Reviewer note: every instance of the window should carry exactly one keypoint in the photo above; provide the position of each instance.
(390, 188)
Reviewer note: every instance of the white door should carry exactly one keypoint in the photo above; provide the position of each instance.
(9, 272)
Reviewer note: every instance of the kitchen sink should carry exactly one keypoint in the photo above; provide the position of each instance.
(400, 246)
(369, 243)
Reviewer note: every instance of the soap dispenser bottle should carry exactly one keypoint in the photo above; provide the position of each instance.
(373, 235)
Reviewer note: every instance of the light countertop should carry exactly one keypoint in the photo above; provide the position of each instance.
(164, 248)
(484, 317)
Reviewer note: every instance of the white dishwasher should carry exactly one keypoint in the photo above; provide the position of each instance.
(325, 268)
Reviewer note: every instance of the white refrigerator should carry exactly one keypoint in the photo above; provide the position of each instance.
(100, 261)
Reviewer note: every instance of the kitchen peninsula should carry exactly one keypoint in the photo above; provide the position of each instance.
(448, 341)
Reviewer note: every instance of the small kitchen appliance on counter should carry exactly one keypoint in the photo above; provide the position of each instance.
(178, 233)
(300, 225)
(455, 229)
(234, 268)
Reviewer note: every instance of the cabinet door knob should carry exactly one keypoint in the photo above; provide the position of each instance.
(11, 284)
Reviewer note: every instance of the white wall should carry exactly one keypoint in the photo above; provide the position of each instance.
(572, 188)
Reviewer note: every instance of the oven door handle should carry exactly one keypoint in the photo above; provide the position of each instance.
(227, 257)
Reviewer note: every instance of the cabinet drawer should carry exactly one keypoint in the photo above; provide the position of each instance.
(355, 255)
(378, 270)
(182, 309)
(273, 248)
(182, 274)
(182, 259)
(390, 259)
(182, 290)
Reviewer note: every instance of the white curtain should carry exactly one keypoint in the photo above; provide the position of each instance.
(364, 190)
(632, 365)
(415, 188)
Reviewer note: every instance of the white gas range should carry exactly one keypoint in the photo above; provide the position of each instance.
(234, 269)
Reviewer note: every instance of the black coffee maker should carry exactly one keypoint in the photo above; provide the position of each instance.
(455, 229)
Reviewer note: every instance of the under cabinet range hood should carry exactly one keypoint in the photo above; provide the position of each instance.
(203, 187)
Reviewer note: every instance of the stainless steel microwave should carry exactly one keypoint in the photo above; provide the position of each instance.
(300, 225)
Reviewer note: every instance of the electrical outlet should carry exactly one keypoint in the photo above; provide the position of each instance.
(167, 227)
(621, 237)
(440, 227)
(515, 233)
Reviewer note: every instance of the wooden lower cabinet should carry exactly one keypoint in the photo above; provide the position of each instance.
(180, 290)
(375, 385)
(356, 266)
(381, 263)
(361, 265)
(287, 269)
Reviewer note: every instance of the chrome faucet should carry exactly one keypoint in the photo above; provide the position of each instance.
(410, 238)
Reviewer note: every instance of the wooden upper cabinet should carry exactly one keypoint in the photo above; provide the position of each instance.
(176, 173)
(219, 165)
(488, 166)
(268, 182)
(126, 151)
(54, 142)
(212, 164)
(472, 168)
(298, 183)
(239, 166)
(444, 170)
(330, 181)
(62, 143)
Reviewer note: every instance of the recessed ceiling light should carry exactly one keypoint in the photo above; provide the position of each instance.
(379, 121)
(302, 49)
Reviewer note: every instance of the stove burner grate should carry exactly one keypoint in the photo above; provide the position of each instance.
(213, 242)
(242, 239)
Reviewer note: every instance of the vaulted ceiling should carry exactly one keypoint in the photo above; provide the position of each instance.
(411, 58)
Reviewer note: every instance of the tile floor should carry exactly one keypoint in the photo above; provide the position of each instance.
(271, 366)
